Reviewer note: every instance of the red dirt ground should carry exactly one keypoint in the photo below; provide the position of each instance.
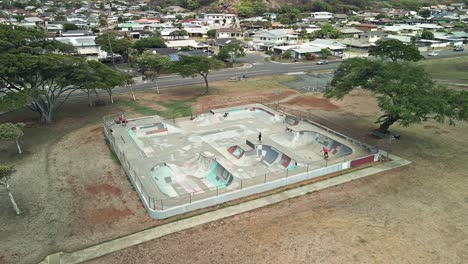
(309, 102)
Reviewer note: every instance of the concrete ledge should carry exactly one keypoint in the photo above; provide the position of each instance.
(166, 229)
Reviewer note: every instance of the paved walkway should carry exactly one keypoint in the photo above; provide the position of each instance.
(163, 230)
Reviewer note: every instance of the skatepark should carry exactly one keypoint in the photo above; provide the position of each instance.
(190, 163)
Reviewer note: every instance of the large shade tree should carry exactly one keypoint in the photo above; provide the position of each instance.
(190, 66)
(405, 92)
(395, 50)
(97, 76)
(6, 171)
(109, 42)
(149, 43)
(35, 73)
(231, 51)
(152, 65)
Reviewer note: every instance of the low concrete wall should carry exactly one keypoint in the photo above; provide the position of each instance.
(222, 198)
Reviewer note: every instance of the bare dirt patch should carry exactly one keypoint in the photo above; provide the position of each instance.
(309, 102)
(108, 215)
(104, 189)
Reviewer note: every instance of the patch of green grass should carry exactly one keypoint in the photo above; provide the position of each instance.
(177, 108)
(135, 106)
(453, 68)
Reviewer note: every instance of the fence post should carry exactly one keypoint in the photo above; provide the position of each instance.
(264, 181)
(217, 190)
(190, 198)
(162, 205)
(241, 183)
(287, 173)
(307, 167)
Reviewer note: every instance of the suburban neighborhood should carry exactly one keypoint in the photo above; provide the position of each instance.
(233, 131)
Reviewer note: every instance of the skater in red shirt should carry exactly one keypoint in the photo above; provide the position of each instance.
(325, 152)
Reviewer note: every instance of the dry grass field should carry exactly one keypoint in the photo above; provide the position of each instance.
(74, 194)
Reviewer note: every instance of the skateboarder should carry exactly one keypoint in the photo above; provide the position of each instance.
(325, 152)
(260, 137)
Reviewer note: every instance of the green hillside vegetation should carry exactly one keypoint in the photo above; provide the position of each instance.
(247, 8)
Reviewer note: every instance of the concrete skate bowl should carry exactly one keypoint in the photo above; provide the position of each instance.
(165, 176)
(265, 154)
(313, 141)
(208, 168)
(214, 116)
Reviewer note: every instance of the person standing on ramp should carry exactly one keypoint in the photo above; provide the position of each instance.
(260, 137)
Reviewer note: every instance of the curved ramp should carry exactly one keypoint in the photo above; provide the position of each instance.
(266, 154)
(208, 168)
(313, 140)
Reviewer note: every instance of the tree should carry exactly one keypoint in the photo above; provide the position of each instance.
(232, 51)
(100, 76)
(425, 13)
(395, 50)
(290, 17)
(35, 73)
(41, 82)
(5, 174)
(103, 21)
(149, 43)
(327, 30)
(325, 53)
(189, 66)
(10, 131)
(152, 65)
(249, 8)
(211, 33)
(110, 43)
(426, 34)
(287, 55)
(69, 26)
(178, 34)
(405, 92)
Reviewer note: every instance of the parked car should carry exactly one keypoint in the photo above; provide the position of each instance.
(322, 62)
(459, 48)
(433, 54)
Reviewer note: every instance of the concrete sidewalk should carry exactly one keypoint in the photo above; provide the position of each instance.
(163, 230)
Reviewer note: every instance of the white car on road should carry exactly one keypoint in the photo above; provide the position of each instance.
(433, 54)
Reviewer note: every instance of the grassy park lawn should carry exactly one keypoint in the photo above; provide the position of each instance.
(73, 193)
(453, 69)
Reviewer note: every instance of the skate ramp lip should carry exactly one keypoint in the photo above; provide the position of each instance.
(265, 154)
(315, 140)
(221, 115)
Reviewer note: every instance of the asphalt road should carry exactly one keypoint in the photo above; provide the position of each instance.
(257, 66)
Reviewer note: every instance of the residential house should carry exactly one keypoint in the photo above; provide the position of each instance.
(372, 36)
(219, 20)
(349, 32)
(268, 39)
(85, 46)
(35, 20)
(187, 43)
(228, 33)
(270, 16)
(366, 27)
(76, 33)
(361, 45)
(321, 15)
(315, 47)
